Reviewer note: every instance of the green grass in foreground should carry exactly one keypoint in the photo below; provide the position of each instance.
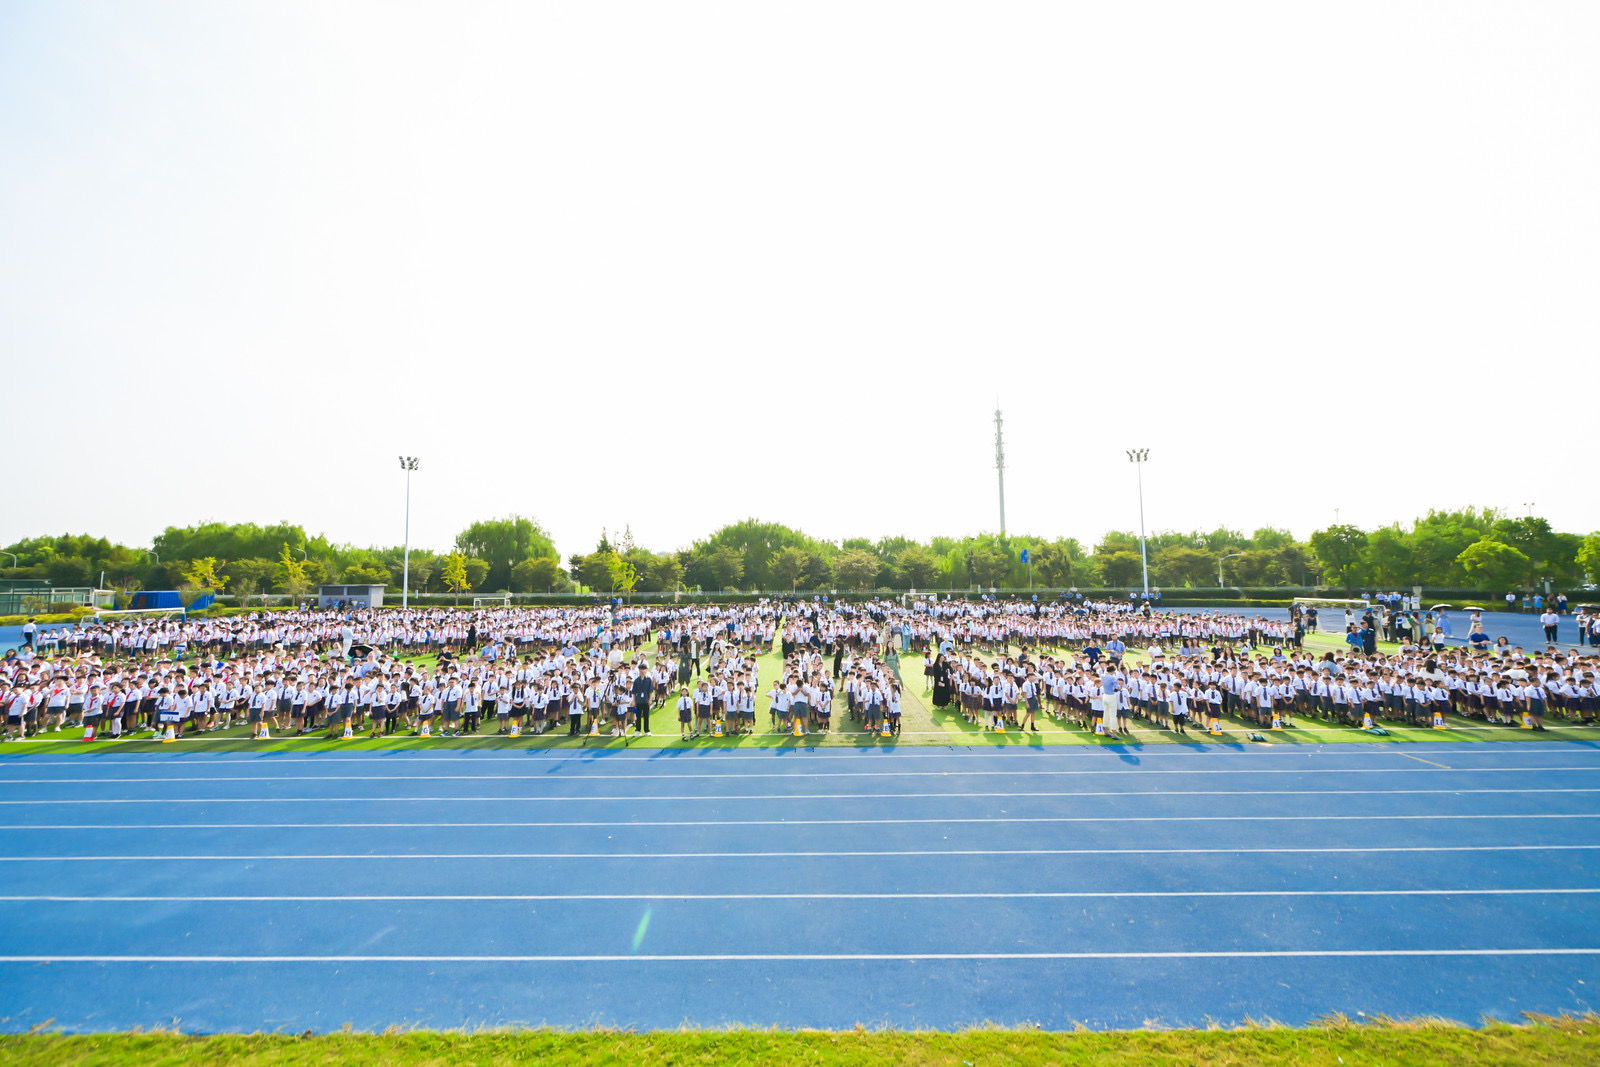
(1566, 1041)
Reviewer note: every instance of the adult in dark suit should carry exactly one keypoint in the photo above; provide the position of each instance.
(643, 688)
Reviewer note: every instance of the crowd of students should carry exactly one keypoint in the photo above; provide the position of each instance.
(602, 670)
(581, 670)
(1266, 689)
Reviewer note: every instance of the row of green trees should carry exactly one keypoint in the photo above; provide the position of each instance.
(1480, 549)
(1483, 549)
(246, 559)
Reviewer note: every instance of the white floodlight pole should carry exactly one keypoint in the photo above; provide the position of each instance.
(1000, 466)
(1137, 457)
(407, 464)
(1220, 581)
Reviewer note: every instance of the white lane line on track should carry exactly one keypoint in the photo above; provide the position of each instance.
(717, 797)
(591, 824)
(523, 897)
(862, 957)
(674, 776)
(842, 854)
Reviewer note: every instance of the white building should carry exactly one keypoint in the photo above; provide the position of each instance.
(351, 596)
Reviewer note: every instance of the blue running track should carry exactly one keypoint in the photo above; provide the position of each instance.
(913, 888)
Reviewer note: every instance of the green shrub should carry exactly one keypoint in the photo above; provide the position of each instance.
(42, 620)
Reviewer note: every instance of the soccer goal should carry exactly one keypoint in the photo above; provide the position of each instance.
(1325, 605)
(114, 615)
(501, 600)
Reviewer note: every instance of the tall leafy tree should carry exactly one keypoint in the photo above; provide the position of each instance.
(540, 574)
(1118, 541)
(726, 565)
(290, 574)
(205, 573)
(1252, 566)
(1295, 565)
(1390, 558)
(1339, 550)
(368, 572)
(989, 565)
(1119, 568)
(1184, 565)
(917, 567)
(1053, 562)
(856, 568)
(502, 544)
(241, 540)
(596, 572)
(454, 574)
(250, 576)
(818, 570)
(1550, 554)
(787, 564)
(663, 574)
(757, 544)
(624, 575)
(1588, 556)
(1495, 565)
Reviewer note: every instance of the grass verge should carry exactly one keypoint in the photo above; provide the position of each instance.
(1541, 1041)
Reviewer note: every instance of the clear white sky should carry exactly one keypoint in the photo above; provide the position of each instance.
(676, 264)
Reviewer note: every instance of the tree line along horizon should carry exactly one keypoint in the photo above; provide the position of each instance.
(1472, 548)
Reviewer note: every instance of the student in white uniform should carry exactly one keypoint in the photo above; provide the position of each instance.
(685, 713)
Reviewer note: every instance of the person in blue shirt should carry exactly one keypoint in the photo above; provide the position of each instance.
(1115, 649)
(1092, 651)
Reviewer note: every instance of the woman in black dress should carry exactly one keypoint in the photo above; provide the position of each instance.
(941, 682)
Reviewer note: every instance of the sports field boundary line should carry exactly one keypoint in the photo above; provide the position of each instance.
(657, 824)
(740, 776)
(557, 897)
(813, 854)
(840, 753)
(1397, 734)
(720, 797)
(863, 957)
